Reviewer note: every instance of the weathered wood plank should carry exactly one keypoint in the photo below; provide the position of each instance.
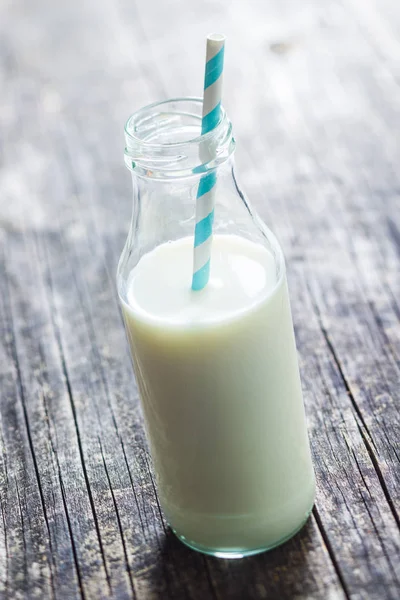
(27, 542)
(54, 435)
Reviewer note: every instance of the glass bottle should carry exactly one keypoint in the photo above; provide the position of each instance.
(216, 369)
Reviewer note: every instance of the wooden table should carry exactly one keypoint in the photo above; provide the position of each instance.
(313, 90)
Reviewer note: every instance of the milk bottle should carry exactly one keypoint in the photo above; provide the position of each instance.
(216, 369)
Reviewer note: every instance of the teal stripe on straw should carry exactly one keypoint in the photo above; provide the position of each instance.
(203, 229)
(214, 68)
(211, 120)
(201, 277)
(206, 183)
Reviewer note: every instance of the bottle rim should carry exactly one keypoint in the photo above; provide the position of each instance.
(151, 147)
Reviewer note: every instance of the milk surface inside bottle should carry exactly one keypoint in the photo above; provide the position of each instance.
(217, 369)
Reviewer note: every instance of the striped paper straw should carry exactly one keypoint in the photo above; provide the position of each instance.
(206, 191)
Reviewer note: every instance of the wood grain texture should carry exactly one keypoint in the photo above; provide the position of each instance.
(313, 91)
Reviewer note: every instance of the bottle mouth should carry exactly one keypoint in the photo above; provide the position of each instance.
(163, 140)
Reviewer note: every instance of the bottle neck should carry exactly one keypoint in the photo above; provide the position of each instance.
(165, 209)
(168, 158)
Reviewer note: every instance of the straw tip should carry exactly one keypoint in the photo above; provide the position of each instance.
(216, 37)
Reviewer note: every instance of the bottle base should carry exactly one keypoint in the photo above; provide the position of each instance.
(233, 553)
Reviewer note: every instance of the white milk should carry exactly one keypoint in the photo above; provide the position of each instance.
(219, 383)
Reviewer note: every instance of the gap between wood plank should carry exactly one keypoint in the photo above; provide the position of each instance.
(330, 551)
(71, 535)
(6, 547)
(23, 529)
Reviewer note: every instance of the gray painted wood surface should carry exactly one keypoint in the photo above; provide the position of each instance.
(313, 91)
